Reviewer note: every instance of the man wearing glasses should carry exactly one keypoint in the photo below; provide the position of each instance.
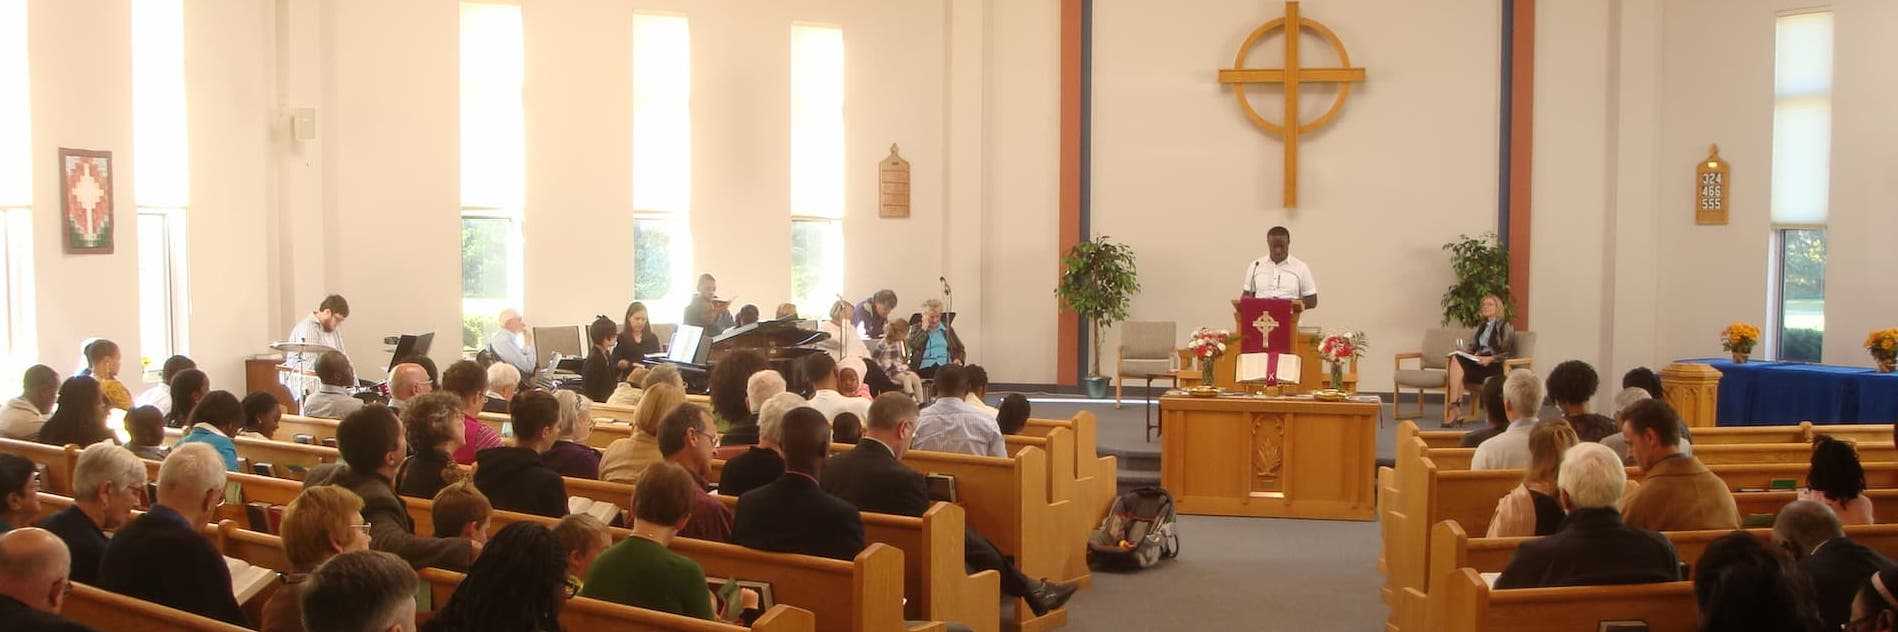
(687, 437)
(108, 482)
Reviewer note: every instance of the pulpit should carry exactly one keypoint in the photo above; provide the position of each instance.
(1255, 333)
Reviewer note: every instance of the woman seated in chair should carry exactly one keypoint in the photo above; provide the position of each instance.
(1495, 342)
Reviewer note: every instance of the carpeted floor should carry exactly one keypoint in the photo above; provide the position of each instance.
(1236, 573)
(1245, 574)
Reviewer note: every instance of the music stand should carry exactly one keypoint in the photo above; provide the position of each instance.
(410, 345)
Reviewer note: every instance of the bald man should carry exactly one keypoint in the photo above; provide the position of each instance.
(408, 381)
(33, 581)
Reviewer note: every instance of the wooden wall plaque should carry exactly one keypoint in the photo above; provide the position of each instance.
(1713, 189)
(893, 186)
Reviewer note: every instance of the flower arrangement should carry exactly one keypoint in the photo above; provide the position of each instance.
(1739, 338)
(1883, 344)
(1343, 346)
(1208, 343)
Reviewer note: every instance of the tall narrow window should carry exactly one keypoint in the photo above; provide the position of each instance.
(817, 167)
(17, 349)
(1802, 171)
(493, 171)
(662, 163)
(162, 188)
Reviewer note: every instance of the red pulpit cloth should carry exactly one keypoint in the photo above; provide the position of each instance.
(1266, 326)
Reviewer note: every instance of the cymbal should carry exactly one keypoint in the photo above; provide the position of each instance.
(301, 347)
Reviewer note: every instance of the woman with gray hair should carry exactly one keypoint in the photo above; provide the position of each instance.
(761, 386)
(570, 455)
(764, 462)
(433, 423)
(108, 482)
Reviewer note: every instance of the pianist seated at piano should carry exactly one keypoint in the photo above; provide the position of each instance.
(597, 374)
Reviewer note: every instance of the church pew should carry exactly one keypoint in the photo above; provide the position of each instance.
(1058, 444)
(1006, 501)
(287, 459)
(625, 413)
(1452, 548)
(1427, 494)
(59, 462)
(605, 430)
(1802, 432)
(581, 613)
(1711, 454)
(101, 609)
(1095, 477)
(265, 550)
(861, 595)
(1463, 603)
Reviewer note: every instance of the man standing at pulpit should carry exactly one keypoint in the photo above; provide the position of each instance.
(1279, 274)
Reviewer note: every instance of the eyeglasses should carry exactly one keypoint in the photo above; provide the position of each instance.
(709, 436)
(361, 528)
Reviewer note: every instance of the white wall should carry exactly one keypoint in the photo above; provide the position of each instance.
(80, 296)
(1184, 177)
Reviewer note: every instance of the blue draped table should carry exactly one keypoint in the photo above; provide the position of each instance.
(1775, 393)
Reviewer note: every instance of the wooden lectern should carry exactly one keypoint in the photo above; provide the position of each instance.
(1312, 371)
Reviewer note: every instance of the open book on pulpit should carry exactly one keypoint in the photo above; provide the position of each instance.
(1265, 330)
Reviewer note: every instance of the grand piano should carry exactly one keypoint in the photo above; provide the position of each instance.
(783, 342)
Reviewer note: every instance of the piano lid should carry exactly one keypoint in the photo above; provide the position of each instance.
(768, 333)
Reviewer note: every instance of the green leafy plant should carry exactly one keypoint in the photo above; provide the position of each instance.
(1481, 265)
(1098, 281)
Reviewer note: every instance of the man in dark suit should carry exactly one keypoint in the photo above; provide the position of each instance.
(33, 582)
(1836, 565)
(163, 557)
(873, 477)
(1593, 547)
(793, 515)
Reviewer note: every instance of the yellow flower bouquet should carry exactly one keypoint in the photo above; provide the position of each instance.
(1883, 344)
(1739, 338)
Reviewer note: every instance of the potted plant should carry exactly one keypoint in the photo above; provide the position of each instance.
(1481, 265)
(1883, 344)
(1738, 338)
(1097, 282)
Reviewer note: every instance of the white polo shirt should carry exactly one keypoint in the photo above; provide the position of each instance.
(1289, 280)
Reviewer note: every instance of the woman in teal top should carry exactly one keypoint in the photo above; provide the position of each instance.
(215, 420)
(640, 571)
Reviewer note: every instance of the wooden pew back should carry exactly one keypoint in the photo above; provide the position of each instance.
(1452, 548)
(105, 610)
(1714, 454)
(59, 462)
(1463, 603)
(581, 613)
(1799, 433)
(861, 595)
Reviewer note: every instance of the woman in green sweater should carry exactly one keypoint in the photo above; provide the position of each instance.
(640, 571)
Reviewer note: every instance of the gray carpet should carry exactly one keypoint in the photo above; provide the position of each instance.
(1236, 573)
(1245, 574)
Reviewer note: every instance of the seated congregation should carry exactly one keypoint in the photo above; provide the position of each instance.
(350, 535)
(1624, 500)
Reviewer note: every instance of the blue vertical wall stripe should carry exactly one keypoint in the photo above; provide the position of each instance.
(1087, 166)
(1502, 138)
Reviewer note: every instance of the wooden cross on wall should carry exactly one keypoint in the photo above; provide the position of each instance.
(1290, 77)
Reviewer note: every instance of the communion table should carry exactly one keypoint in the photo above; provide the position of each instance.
(1282, 457)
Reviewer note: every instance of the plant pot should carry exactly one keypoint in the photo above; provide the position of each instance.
(1886, 366)
(1739, 358)
(1097, 387)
